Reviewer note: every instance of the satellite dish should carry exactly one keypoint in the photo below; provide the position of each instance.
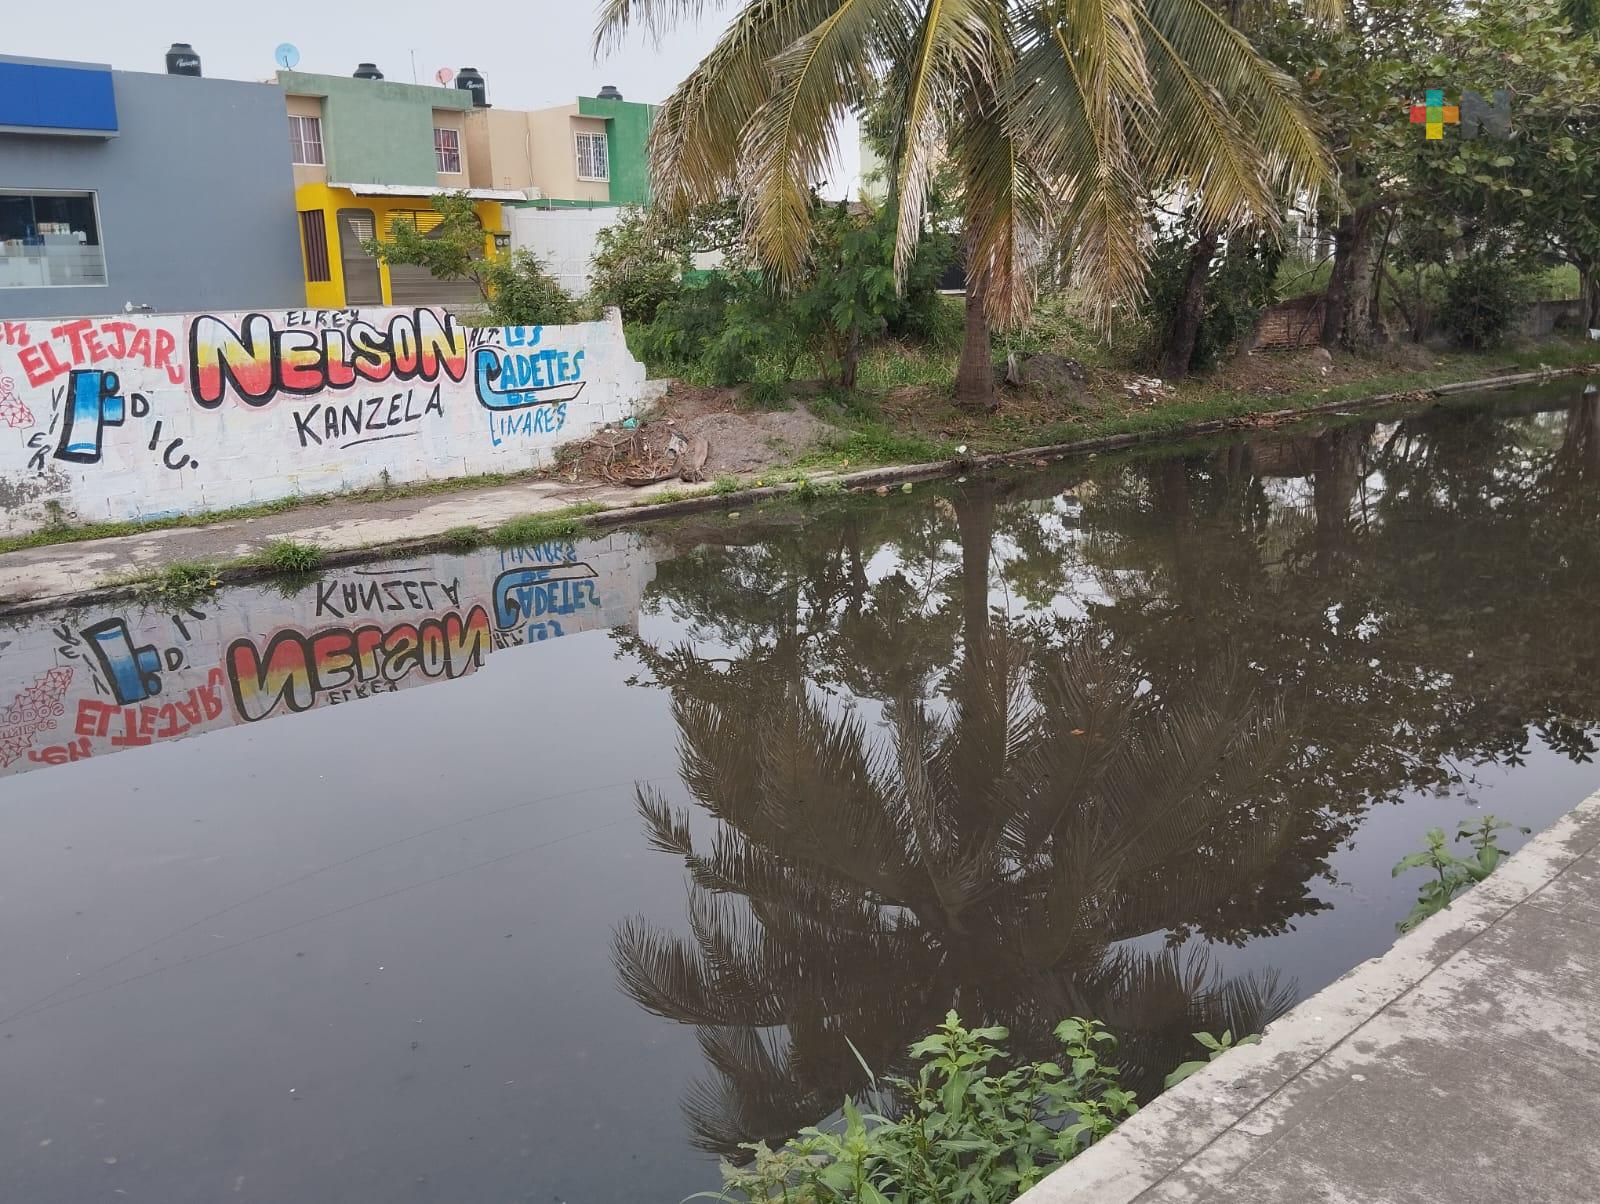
(286, 56)
(444, 75)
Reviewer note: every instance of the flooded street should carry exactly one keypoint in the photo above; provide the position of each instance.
(555, 873)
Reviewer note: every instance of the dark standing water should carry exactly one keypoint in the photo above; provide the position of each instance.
(1134, 738)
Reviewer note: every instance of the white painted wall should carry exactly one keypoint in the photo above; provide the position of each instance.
(146, 416)
(100, 680)
(563, 239)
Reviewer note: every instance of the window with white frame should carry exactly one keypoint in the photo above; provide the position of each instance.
(447, 150)
(305, 140)
(593, 162)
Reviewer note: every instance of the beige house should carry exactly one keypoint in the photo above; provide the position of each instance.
(589, 153)
(538, 152)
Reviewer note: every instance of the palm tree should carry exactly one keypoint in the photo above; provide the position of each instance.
(1063, 113)
(993, 850)
(856, 889)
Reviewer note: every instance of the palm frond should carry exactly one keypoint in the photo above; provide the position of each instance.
(1079, 95)
(1006, 205)
(792, 135)
(618, 17)
(1266, 101)
(1200, 141)
(698, 139)
(954, 43)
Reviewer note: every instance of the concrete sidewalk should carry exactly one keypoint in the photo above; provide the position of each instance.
(336, 525)
(1462, 1066)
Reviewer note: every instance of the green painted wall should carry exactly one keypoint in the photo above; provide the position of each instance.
(375, 131)
(627, 133)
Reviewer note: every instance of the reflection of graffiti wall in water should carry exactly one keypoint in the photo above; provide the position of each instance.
(92, 682)
(119, 418)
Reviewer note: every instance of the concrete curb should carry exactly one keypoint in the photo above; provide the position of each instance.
(1222, 1114)
(860, 480)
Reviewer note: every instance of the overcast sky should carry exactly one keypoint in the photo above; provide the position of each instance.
(533, 53)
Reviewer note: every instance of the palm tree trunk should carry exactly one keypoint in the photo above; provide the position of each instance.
(1191, 309)
(975, 374)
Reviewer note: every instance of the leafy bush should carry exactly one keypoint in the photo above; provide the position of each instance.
(522, 293)
(1241, 284)
(516, 289)
(725, 325)
(1452, 874)
(733, 327)
(638, 265)
(963, 1131)
(920, 312)
(1481, 295)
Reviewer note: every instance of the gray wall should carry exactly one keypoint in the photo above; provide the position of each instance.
(196, 195)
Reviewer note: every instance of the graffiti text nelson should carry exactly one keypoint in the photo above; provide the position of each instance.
(344, 662)
(260, 361)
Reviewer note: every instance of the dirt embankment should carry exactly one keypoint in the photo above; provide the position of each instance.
(696, 434)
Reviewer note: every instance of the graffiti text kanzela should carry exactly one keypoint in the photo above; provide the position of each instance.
(260, 361)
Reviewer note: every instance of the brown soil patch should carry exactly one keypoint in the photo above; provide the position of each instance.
(1273, 373)
(668, 441)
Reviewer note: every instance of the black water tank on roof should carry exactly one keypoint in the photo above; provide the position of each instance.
(609, 92)
(182, 60)
(368, 71)
(470, 79)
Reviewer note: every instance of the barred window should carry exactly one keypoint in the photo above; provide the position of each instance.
(593, 162)
(305, 140)
(447, 150)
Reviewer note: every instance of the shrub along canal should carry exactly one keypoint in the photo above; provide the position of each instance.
(681, 809)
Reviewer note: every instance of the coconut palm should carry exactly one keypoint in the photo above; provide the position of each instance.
(1065, 113)
(993, 849)
(856, 888)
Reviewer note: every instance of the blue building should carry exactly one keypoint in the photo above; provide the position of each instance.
(122, 189)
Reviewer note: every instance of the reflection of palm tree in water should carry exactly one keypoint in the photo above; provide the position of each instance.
(996, 855)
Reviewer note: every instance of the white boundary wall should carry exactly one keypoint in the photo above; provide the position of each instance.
(563, 239)
(147, 416)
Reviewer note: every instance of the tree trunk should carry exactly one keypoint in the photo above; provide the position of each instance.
(850, 361)
(1375, 291)
(979, 686)
(1185, 329)
(1347, 310)
(1589, 280)
(1335, 480)
(1581, 444)
(975, 375)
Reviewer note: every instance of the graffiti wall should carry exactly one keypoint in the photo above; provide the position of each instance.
(146, 416)
(94, 682)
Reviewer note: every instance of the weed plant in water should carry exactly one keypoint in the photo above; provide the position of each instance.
(1452, 874)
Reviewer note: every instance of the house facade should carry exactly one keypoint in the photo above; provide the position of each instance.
(132, 190)
(577, 167)
(368, 153)
(591, 153)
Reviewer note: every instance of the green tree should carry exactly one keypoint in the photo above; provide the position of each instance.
(1190, 302)
(638, 265)
(1543, 182)
(515, 288)
(1358, 79)
(1061, 111)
